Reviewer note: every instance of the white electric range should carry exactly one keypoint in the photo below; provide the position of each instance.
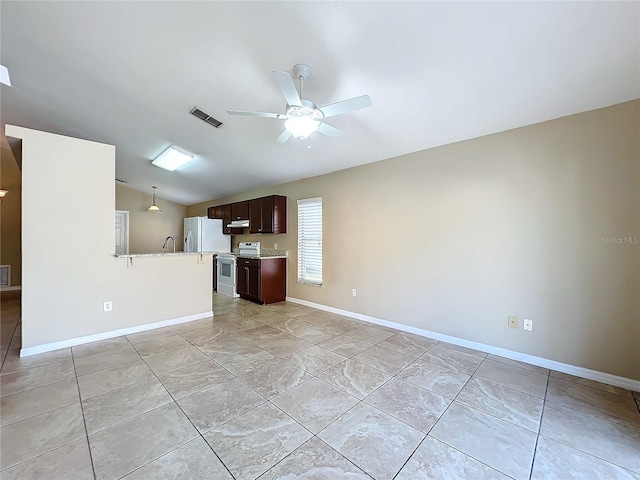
(227, 268)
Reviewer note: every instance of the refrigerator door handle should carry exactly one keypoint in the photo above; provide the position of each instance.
(187, 242)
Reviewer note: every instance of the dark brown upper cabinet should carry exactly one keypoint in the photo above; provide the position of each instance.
(226, 220)
(268, 214)
(240, 210)
(265, 214)
(215, 212)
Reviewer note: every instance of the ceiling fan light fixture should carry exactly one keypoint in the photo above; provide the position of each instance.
(304, 117)
(172, 158)
(301, 127)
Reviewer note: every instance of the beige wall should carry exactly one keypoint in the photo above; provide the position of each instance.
(67, 276)
(10, 217)
(454, 239)
(147, 230)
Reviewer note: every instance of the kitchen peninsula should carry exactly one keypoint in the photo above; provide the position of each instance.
(64, 295)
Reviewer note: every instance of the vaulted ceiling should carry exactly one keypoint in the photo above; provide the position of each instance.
(128, 74)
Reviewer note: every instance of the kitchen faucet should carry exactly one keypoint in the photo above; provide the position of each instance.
(166, 244)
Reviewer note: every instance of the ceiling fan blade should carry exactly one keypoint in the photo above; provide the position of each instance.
(284, 136)
(288, 88)
(332, 132)
(278, 116)
(356, 103)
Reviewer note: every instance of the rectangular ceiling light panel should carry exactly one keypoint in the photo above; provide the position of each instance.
(4, 75)
(172, 158)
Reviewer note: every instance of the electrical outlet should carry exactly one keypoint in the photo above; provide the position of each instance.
(275, 246)
(354, 292)
(512, 321)
(528, 325)
(107, 306)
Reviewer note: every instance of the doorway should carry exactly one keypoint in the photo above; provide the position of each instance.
(122, 232)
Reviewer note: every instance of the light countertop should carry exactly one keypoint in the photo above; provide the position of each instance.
(264, 253)
(160, 254)
(261, 256)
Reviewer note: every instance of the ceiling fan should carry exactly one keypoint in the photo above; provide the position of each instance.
(303, 117)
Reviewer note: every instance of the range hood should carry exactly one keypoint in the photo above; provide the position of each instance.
(239, 224)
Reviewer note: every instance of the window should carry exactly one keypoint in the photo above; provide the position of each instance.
(310, 241)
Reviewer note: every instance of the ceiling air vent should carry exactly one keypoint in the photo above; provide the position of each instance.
(205, 117)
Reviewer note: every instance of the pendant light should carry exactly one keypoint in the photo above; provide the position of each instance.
(154, 207)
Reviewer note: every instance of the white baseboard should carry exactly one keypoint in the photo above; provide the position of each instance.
(11, 289)
(72, 342)
(595, 375)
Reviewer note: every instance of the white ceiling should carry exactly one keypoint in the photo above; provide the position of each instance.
(128, 73)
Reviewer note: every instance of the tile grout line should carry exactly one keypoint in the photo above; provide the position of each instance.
(299, 447)
(362, 400)
(13, 334)
(572, 447)
(183, 412)
(316, 375)
(313, 435)
(249, 315)
(510, 388)
(105, 352)
(590, 387)
(445, 411)
(393, 416)
(84, 420)
(38, 386)
(142, 413)
(535, 446)
(493, 383)
(434, 423)
(269, 401)
(155, 375)
(591, 414)
(116, 388)
(41, 413)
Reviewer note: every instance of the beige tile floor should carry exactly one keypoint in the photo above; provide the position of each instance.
(285, 391)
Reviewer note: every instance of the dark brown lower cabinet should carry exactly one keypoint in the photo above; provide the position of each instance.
(262, 280)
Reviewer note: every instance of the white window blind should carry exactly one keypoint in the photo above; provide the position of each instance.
(310, 241)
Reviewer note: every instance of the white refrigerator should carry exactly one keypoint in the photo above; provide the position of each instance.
(202, 234)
